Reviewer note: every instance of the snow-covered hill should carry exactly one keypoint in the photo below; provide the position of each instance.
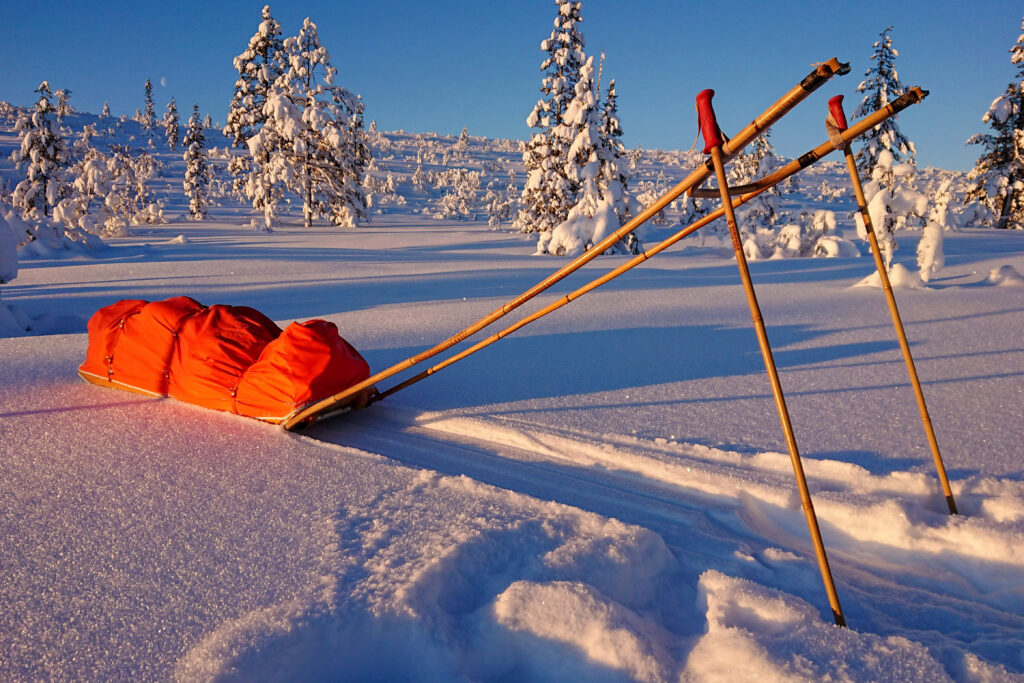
(602, 496)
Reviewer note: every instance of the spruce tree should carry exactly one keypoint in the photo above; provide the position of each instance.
(763, 211)
(998, 177)
(320, 126)
(63, 104)
(41, 150)
(148, 119)
(105, 114)
(549, 193)
(612, 178)
(262, 63)
(171, 124)
(582, 164)
(881, 88)
(197, 173)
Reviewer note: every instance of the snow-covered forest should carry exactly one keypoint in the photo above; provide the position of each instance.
(604, 496)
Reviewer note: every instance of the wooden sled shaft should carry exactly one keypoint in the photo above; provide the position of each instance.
(761, 186)
(818, 77)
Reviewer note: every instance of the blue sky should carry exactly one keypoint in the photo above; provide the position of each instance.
(442, 65)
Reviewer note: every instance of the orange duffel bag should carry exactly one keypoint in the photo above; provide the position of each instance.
(230, 358)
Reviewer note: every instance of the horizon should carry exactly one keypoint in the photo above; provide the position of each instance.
(655, 78)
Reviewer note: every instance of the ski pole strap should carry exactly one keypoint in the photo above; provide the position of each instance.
(835, 122)
(708, 124)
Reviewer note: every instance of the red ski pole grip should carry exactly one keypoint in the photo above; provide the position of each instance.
(835, 107)
(708, 124)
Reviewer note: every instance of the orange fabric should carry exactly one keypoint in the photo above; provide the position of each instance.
(215, 347)
(105, 330)
(230, 358)
(303, 365)
(149, 341)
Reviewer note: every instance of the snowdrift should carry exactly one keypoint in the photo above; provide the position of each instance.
(230, 358)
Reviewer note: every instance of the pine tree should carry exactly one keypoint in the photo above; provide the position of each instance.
(998, 177)
(171, 124)
(462, 144)
(148, 119)
(197, 172)
(594, 215)
(262, 63)
(42, 151)
(612, 178)
(63, 104)
(763, 212)
(892, 202)
(582, 164)
(320, 126)
(549, 193)
(882, 87)
(90, 180)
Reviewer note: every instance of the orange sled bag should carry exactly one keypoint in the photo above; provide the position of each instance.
(230, 358)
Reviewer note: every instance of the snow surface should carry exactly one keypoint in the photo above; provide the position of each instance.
(602, 496)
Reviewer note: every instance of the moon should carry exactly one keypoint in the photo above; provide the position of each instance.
(163, 81)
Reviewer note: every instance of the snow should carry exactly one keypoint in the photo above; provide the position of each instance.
(603, 496)
(1006, 276)
(1000, 110)
(8, 245)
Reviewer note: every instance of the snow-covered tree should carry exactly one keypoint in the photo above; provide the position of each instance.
(328, 148)
(881, 88)
(462, 143)
(262, 63)
(197, 172)
(892, 202)
(208, 122)
(998, 177)
(258, 67)
(501, 204)
(611, 155)
(63, 103)
(171, 124)
(130, 200)
(549, 193)
(763, 212)
(460, 202)
(692, 210)
(148, 117)
(930, 257)
(312, 141)
(8, 112)
(105, 113)
(41, 151)
(90, 182)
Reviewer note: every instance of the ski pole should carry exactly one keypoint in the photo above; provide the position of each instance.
(713, 141)
(814, 80)
(751, 190)
(837, 121)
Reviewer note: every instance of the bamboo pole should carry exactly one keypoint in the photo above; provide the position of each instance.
(753, 190)
(838, 119)
(814, 80)
(713, 144)
(914, 96)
